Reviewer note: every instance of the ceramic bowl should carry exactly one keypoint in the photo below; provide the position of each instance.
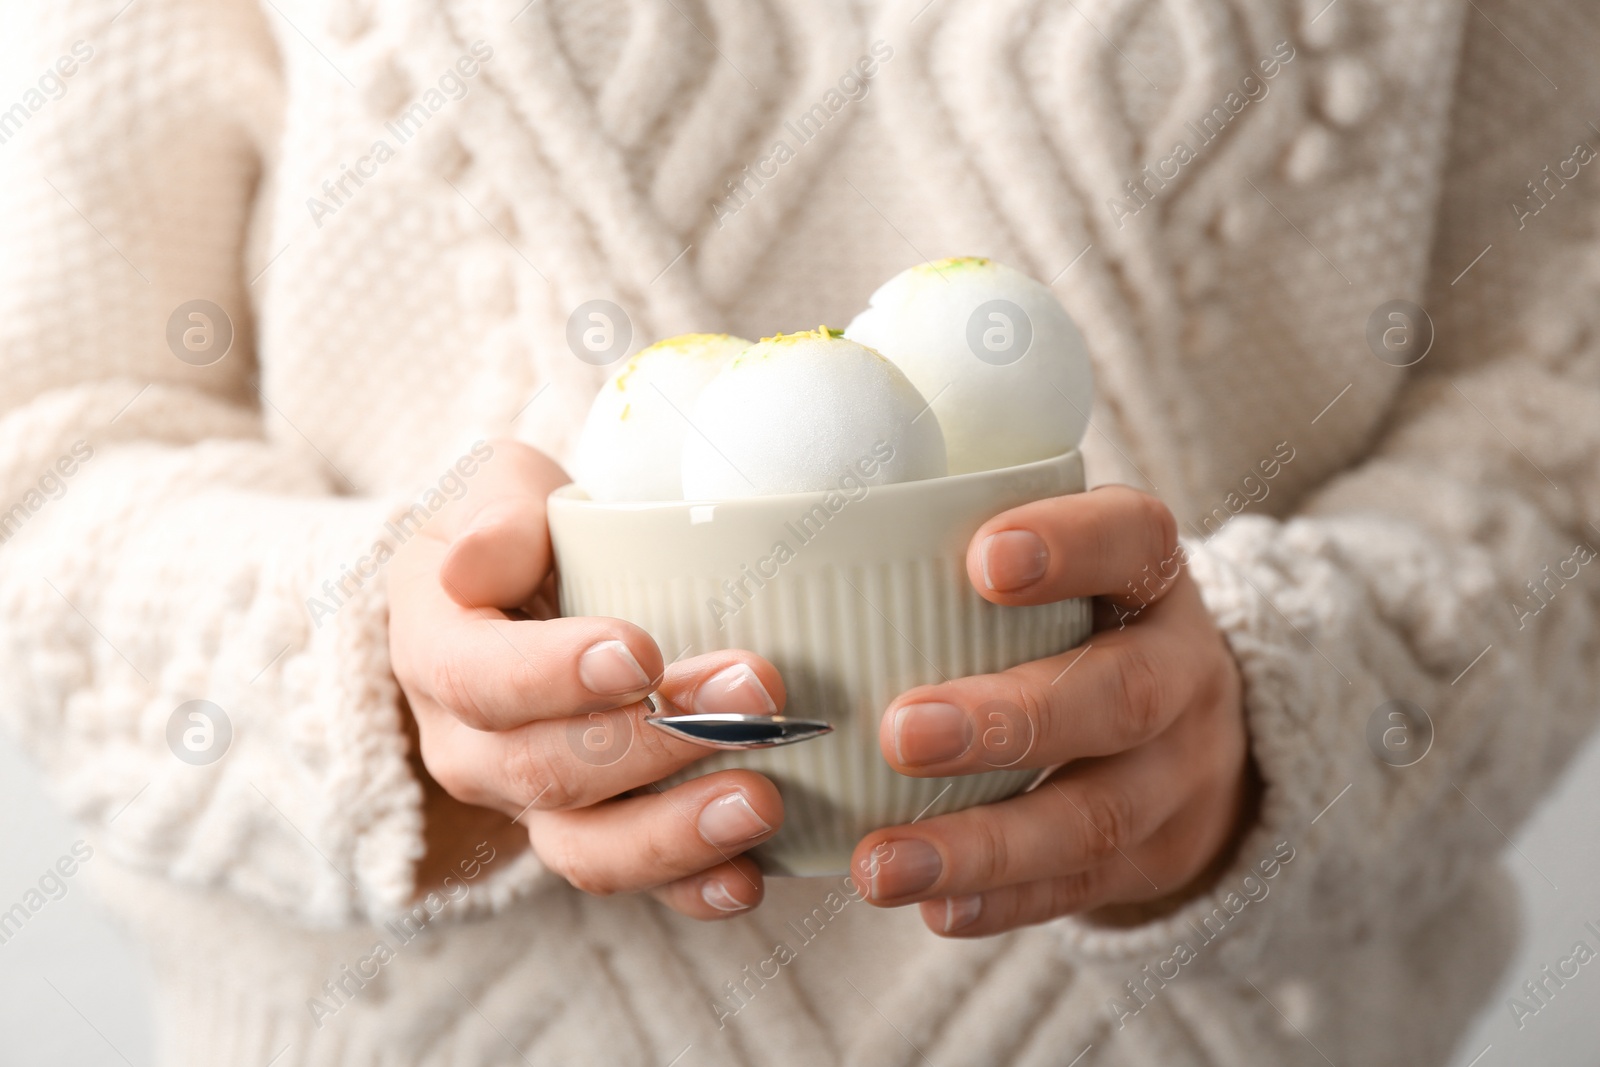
(855, 594)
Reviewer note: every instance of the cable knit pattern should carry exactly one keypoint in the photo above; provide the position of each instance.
(382, 325)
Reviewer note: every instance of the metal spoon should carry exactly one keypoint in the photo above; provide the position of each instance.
(736, 732)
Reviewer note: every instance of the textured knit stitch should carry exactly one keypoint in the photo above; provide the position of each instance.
(425, 308)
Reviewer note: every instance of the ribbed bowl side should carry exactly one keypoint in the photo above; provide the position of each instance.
(847, 640)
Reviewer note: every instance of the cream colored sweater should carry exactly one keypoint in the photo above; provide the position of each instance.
(391, 305)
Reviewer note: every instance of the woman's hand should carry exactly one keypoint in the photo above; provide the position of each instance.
(540, 718)
(1146, 719)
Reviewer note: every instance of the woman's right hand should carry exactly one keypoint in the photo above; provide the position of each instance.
(541, 718)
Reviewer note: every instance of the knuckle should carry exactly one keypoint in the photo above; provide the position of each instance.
(456, 688)
(1161, 525)
(990, 855)
(535, 771)
(659, 856)
(1038, 724)
(528, 681)
(1108, 545)
(1142, 695)
(1109, 815)
(564, 854)
(1069, 893)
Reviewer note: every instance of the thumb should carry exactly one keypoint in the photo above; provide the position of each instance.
(498, 541)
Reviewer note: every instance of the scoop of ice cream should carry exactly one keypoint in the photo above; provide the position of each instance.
(804, 412)
(1003, 363)
(630, 444)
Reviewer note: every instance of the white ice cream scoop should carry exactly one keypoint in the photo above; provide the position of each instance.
(632, 440)
(808, 411)
(996, 353)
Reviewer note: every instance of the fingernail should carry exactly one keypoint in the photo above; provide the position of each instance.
(930, 733)
(913, 868)
(730, 820)
(609, 669)
(734, 691)
(1013, 559)
(713, 892)
(961, 911)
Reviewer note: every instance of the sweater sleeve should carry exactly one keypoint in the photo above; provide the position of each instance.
(1418, 652)
(1418, 639)
(192, 638)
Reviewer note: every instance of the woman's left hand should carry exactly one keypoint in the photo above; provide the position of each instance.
(1145, 721)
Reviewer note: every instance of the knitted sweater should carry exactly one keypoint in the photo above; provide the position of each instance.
(398, 204)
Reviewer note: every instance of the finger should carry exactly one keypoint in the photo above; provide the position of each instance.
(994, 911)
(499, 542)
(582, 759)
(642, 842)
(997, 910)
(726, 890)
(496, 673)
(1079, 818)
(1121, 690)
(1114, 542)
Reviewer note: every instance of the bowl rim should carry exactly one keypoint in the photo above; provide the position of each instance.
(572, 496)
